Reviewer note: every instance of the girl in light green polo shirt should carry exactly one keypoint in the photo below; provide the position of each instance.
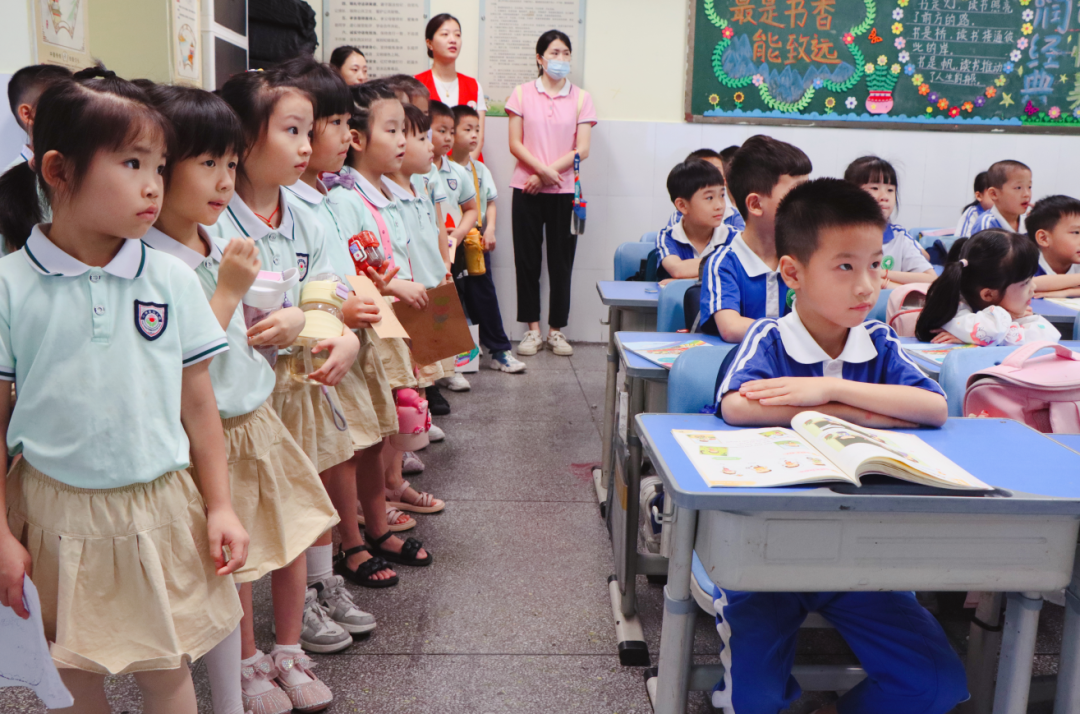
(109, 345)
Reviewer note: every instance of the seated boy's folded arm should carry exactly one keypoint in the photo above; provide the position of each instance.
(738, 410)
(1053, 283)
(731, 325)
(899, 401)
(905, 278)
(678, 268)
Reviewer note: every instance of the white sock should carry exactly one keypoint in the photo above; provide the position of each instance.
(255, 686)
(223, 670)
(294, 676)
(320, 562)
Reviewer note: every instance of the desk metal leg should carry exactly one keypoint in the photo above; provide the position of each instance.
(631, 500)
(982, 655)
(1017, 653)
(677, 636)
(602, 480)
(1067, 700)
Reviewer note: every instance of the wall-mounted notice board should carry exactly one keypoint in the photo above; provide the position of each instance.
(969, 65)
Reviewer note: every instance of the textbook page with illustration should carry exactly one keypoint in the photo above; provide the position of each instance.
(664, 353)
(933, 353)
(818, 449)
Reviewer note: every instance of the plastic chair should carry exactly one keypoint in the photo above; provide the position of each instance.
(878, 311)
(692, 381)
(1076, 327)
(628, 259)
(961, 364)
(669, 310)
(649, 237)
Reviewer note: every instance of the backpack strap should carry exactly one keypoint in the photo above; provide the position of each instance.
(1017, 358)
(384, 233)
(476, 184)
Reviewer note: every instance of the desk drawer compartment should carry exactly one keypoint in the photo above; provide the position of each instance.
(782, 551)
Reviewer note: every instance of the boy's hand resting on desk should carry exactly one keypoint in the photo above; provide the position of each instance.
(789, 391)
(280, 329)
(944, 338)
(343, 351)
(14, 563)
(223, 529)
(360, 312)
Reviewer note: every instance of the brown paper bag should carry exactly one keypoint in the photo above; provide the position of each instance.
(389, 326)
(439, 330)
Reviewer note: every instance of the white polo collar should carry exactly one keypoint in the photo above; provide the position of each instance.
(562, 92)
(26, 153)
(251, 226)
(307, 194)
(1021, 228)
(751, 261)
(803, 348)
(720, 234)
(374, 196)
(48, 259)
(444, 167)
(399, 192)
(191, 258)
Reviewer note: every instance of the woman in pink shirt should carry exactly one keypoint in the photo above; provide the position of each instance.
(550, 121)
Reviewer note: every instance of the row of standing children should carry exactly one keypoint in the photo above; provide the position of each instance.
(279, 461)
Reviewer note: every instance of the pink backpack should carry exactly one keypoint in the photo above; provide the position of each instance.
(905, 304)
(1042, 392)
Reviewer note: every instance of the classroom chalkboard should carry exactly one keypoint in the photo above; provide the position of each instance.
(970, 65)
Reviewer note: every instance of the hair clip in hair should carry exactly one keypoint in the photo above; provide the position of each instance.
(963, 263)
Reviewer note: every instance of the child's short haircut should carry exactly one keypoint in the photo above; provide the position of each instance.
(870, 169)
(28, 83)
(726, 155)
(438, 109)
(1046, 213)
(416, 121)
(202, 123)
(329, 93)
(691, 176)
(410, 86)
(253, 96)
(818, 205)
(998, 173)
(703, 154)
(758, 165)
(464, 110)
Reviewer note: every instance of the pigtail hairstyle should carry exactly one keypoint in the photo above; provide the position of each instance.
(253, 96)
(20, 208)
(364, 97)
(202, 123)
(982, 182)
(993, 259)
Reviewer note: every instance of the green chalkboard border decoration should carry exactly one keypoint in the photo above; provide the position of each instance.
(887, 83)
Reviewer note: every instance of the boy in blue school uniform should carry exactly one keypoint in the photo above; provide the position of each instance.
(697, 190)
(1054, 225)
(740, 283)
(732, 219)
(1009, 187)
(826, 356)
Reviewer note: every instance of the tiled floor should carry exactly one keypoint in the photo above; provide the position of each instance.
(514, 615)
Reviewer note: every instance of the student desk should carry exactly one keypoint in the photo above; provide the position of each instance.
(933, 371)
(1067, 698)
(1059, 316)
(623, 452)
(900, 538)
(631, 305)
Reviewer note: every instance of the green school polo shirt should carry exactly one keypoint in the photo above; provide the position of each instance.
(337, 218)
(418, 214)
(390, 212)
(488, 192)
(242, 377)
(97, 356)
(457, 184)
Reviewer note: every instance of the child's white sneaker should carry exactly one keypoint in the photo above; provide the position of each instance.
(435, 434)
(556, 342)
(338, 603)
(321, 634)
(503, 361)
(457, 383)
(530, 343)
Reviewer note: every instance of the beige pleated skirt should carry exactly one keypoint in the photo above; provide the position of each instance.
(276, 492)
(397, 362)
(371, 366)
(125, 576)
(429, 373)
(357, 405)
(311, 420)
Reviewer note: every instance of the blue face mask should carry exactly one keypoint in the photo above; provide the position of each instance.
(557, 69)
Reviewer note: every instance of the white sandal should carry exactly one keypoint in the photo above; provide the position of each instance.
(425, 504)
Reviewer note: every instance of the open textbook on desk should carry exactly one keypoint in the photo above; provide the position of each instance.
(818, 448)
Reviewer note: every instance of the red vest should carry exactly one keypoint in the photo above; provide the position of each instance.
(467, 88)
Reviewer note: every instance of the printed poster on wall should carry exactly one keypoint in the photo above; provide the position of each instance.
(187, 56)
(509, 30)
(61, 33)
(389, 32)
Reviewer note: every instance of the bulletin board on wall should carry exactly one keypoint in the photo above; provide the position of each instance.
(966, 65)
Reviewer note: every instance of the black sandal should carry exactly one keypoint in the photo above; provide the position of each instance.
(363, 575)
(407, 556)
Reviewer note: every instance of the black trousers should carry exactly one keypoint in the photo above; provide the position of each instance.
(535, 215)
(481, 304)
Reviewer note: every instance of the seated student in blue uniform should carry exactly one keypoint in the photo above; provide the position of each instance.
(732, 219)
(1054, 225)
(1008, 183)
(825, 355)
(740, 283)
(697, 190)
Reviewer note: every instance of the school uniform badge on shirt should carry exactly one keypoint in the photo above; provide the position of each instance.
(452, 183)
(151, 319)
(302, 265)
(888, 262)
